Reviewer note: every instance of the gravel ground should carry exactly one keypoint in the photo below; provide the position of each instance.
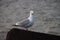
(47, 15)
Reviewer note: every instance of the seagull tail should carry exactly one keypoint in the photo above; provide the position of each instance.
(15, 25)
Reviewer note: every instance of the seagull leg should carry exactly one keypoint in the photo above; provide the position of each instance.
(26, 29)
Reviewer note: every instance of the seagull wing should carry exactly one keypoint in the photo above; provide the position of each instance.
(23, 23)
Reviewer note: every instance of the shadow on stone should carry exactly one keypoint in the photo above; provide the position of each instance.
(18, 34)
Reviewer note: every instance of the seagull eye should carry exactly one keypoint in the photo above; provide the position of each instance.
(32, 13)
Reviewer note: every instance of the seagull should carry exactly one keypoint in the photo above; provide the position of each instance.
(28, 22)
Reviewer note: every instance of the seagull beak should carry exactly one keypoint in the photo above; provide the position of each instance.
(32, 14)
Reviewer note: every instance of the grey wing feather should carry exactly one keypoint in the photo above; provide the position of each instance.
(24, 23)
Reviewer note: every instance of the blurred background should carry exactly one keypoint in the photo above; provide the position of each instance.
(46, 12)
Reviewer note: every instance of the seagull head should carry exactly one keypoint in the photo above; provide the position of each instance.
(31, 17)
(31, 12)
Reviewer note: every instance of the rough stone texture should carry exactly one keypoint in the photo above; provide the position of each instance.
(47, 15)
